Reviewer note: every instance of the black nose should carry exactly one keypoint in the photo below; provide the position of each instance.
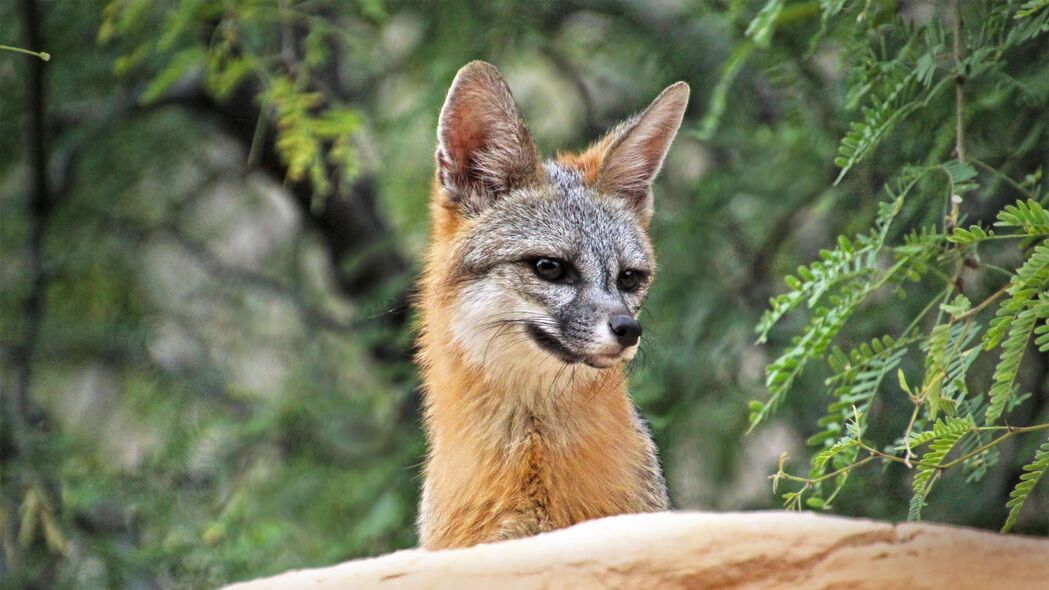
(626, 329)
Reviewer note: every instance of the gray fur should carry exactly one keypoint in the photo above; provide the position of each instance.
(520, 209)
(560, 218)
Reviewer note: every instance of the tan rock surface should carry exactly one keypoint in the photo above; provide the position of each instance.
(767, 550)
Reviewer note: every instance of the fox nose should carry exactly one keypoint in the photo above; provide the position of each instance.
(626, 329)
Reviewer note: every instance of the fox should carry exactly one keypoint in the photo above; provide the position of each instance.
(528, 306)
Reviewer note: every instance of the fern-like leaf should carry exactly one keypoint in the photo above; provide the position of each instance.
(918, 439)
(1030, 280)
(1033, 472)
(761, 28)
(825, 324)
(947, 434)
(974, 235)
(894, 102)
(1041, 332)
(857, 377)
(1031, 7)
(1034, 21)
(1017, 317)
(947, 361)
(852, 259)
(1013, 347)
(1029, 216)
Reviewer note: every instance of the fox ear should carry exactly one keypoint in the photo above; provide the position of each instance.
(634, 151)
(484, 149)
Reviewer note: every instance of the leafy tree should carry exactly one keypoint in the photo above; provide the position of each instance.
(905, 68)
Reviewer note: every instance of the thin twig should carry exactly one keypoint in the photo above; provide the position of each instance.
(959, 82)
(1012, 431)
(41, 54)
(907, 433)
(826, 476)
(990, 299)
(876, 454)
(1003, 176)
(959, 109)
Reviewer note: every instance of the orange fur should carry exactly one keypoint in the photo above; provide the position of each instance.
(588, 162)
(505, 462)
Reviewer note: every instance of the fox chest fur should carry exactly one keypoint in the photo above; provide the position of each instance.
(510, 463)
(534, 278)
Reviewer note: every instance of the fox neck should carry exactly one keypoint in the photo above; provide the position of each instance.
(465, 405)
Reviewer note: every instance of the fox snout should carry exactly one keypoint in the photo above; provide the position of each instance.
(597, 339)
(626, 329)
(613, 339)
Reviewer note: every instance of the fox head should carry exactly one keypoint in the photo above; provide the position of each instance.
(540, 264)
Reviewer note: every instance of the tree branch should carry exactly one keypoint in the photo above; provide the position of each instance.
(39, 208)
(357, 237)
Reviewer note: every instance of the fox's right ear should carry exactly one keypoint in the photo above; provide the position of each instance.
(484, 149)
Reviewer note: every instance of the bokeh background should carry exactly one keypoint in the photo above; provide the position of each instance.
(213, 214)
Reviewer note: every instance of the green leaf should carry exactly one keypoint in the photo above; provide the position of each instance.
(1016, 318)
(851, 261)
(973, 235)
(1031, 7)
(947, 434)
(895, 100)
(1013, 347)
(179, 65)
(960, 305)
(1031, 279)
(760, 29)
(1033, 473)
(902, 378)
(1030, 217)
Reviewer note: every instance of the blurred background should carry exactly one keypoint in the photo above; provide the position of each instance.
(212, 217)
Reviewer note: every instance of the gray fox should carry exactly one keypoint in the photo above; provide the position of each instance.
(533, 280)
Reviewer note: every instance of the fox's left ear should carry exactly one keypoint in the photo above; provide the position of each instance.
(633, 153)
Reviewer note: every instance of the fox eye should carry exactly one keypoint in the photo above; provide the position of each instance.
(630, 280)
(550, 269)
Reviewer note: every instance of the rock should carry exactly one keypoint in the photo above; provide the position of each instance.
(767, 550)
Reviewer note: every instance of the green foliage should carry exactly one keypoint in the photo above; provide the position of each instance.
(846, 276)
(855, 380)
(906, 68)
(849, 261)
(944, 437)
(1020, 327)
(760, 29)
(1033, 472)
(304, 138)
(893, 102)
(1018, 314)
(314, 131)
(1029, 217)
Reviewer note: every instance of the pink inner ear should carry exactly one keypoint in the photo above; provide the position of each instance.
(463, 137)
(632, 154)
(651, 151)
(484, 148)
